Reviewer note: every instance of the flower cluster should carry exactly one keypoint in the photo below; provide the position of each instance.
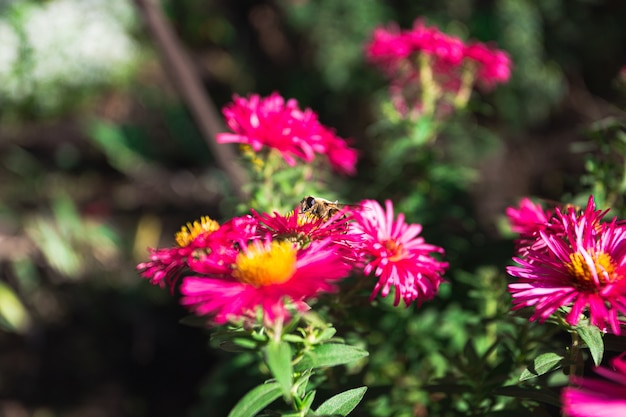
(595, 397)
(274, 264)
(430, 71)
(273, 123)
(576, 264)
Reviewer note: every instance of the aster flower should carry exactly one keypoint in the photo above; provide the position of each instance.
(394, 253)
(274, 277)
(528, 219)
(304, 228)
(273, 123)
(199, 245)
(431, 72)
(167, 264)
(592, 397)
(581, 267)
(494, 65)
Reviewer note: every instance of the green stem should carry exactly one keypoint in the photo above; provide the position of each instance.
(574, 353)
(467, 81)
(430, 87)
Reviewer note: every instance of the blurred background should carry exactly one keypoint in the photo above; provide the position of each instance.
(102, 155)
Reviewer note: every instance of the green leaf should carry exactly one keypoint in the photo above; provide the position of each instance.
(278, 356)
(342, 404)
(592, 336)
(256, 400)
(542, 364)
(307, 401)
(13, 314)
(330, 354)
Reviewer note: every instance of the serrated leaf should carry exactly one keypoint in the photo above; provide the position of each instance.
(330, 354)
(592, 336)
(278, 356)
(542, 364)
(342, 404)
(256, 400)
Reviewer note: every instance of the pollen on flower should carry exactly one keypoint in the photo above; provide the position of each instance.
(394, 250)
(192, 230)
(251, 155)
(582, 272)
(263, 265)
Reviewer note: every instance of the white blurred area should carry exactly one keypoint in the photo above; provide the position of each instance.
(49, 49)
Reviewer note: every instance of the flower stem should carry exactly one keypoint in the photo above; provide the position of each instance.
(574, 355)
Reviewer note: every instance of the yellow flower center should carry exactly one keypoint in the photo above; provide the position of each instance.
(261, 265)
(192, 230)
(395, 250)
(582, 272)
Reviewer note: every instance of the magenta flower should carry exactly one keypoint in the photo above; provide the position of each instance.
(445, 77)
(272, 123)
(269, 276)
(591, 397)
(394, 253)
(528, 219)
(199, 244)
(494, 65)
(303, 229)
(581, 266)
(167, 264)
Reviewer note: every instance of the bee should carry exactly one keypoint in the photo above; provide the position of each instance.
(320, 207)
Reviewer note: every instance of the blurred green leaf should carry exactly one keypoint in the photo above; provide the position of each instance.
(330, 354)
(13, 314)
(278, 357)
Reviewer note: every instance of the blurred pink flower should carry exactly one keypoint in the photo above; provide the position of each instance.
(267, 276)
(592, 397)
(274, 123)
(581, 266)
(395, 52)
(528, 219)
(394, 253)
(494, 65)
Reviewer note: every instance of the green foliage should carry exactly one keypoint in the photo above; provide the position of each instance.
(77, 192)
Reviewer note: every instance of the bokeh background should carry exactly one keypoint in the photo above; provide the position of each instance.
(102, 155)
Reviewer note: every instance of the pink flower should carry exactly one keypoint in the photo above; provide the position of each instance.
(342, 158)
(581, 266)
(272, 277)
(200, 246)
(388, 48)
(275, 124)
(167, 264)
(494, 65)
(528, 220)
(394, 253)
(430, 40)
(303, 229)
(400, 54)
(596, 397)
